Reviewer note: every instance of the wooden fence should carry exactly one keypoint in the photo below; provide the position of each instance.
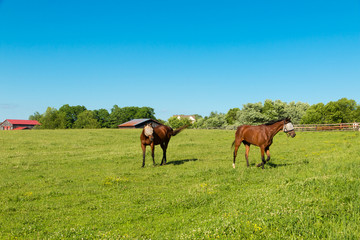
(327, 127)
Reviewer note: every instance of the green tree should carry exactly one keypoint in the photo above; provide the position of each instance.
(251, 113)
(174, 122)
(103, 117)
(115, 116)
(36, 116)
(356, 114)
(214, 120)
(231, 115)
(86, 119)
(340, 111)
(53, 119)
(71, 113)
(120, 115)
(315, 114)
(274, 110)
(145, 112)
(296, 111)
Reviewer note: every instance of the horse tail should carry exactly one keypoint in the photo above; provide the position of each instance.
(237, 135)
(176, 131)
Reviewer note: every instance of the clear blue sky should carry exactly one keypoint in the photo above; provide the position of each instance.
(178, 57)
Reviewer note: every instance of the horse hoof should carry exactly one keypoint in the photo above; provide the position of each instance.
(234, 165)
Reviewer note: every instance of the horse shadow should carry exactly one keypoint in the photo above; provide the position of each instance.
(180, 162)
(274, 165)
(271, 165)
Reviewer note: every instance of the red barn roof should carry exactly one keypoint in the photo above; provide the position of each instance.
(138, 123)
(133, 122)
(23, 122)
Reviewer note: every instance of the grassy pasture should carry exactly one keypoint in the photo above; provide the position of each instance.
(90, 184)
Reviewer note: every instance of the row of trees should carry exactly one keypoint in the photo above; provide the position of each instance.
(79, 117)
(251, 113)
(341, 111)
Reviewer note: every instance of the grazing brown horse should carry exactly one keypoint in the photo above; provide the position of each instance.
(261, 136)
(160, 134)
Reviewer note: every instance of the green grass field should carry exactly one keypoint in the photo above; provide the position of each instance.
(89, 184)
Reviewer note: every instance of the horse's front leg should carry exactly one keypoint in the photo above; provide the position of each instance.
(143, 147)
(153, 152)
(262, 149)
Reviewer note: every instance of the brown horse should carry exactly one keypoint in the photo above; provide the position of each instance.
(261, 136)
(160, 134)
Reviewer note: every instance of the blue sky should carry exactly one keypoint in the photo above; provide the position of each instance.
(178, 57)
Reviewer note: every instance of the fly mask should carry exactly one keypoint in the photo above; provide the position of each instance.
(289, 129)
(148, 131)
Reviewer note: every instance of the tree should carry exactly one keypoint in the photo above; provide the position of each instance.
(86, 119)
(314, 114)
(145, 112)
(251, 114)
(340, 111)
(296, 111)
(214, 120)
(52, 119)
(115, 116)
(231, 115)
(103, 117)
(356, 114)
(71, 113)
(120, 115)
(274, 110)
(36, 116)
(174, 122)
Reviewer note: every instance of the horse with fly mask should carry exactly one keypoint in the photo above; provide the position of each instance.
(159, 135)
(261, 136)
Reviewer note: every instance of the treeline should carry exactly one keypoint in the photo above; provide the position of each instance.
(342, 111)
(79, 117)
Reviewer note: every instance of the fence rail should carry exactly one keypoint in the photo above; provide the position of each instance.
(327, 127)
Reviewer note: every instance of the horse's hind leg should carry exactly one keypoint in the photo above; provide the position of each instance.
(164, 147)
(247, 153)
(237, 145)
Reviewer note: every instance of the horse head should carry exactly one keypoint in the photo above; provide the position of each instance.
(289, 128)
(149, 131)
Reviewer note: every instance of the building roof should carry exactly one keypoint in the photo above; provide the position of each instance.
(20, 128)
(22, 122)
(135, 122)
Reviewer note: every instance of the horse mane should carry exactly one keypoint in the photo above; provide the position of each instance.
(275, 121)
